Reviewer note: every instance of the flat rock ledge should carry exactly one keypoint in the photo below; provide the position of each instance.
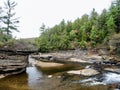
(78, 60)
(48, 64)
(84, 72)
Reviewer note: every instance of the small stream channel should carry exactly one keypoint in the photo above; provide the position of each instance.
(35, 79)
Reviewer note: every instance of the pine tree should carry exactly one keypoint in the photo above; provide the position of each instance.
(9, 20)
(115, 12)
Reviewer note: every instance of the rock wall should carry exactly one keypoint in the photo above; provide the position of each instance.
(12, 63)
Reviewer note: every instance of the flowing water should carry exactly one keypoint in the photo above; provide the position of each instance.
(35, 79)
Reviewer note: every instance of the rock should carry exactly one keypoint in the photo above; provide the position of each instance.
(109, 62)
(94, 57)
(48, 64)
(12, 63)
(74, 72)
(49, 76)
(113, 60)
(77, 60)
(103, 52)
(84, 72)
(116, 70)
(2, 76)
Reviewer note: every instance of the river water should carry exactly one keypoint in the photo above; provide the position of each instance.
(35, 79)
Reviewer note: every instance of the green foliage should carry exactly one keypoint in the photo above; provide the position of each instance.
(8, 19)
(87, 31)
(72, 35)
(115, 12)
(111, 25)
(7, 22)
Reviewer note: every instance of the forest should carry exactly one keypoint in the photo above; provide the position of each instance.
(88, 31)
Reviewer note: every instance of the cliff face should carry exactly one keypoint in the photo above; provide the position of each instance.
(12, 63)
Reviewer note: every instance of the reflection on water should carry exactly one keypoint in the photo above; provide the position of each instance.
(24, 81)
(14, 82)
(35, 77)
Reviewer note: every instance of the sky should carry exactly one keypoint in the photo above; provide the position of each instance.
(33, 13)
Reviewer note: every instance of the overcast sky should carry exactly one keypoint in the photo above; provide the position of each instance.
(33, 13)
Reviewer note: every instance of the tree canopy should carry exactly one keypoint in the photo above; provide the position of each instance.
(87, 31)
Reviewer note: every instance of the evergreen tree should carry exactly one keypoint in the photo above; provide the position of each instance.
(89, 30)
(115, 12)
(9, 20)
(42, 28)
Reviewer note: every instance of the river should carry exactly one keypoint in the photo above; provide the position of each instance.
(35, 79)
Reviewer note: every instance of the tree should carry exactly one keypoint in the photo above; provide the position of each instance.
(115, 12)
(42, 28)
(111, 25)
(1, 11)
(94, 17)
(68, 27)
(9, 20)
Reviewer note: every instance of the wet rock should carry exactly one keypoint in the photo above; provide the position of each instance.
(98, 66)
(84, 72)
(116, 70)
(2, 76)
(112, 62)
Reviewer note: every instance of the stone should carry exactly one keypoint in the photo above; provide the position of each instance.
(49, 76)
(2, 76)
(48, 64)
(77, 60)
(84, 72)
(12, 63)
(94, 57)
(116, 70)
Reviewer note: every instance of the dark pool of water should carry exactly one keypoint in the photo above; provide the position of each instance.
(24, 81)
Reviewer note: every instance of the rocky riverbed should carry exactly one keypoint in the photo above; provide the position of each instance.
(91, 70)
(94, 62)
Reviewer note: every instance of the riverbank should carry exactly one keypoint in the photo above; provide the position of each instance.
(85, 56)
